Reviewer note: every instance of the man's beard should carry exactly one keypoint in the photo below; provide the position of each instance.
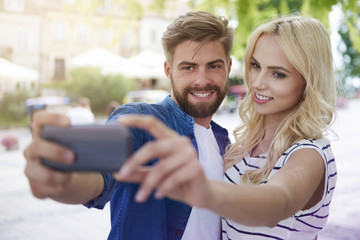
(200, 109)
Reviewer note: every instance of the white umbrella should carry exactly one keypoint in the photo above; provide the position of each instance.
(97, 57)
(9, 70)
(147, 64)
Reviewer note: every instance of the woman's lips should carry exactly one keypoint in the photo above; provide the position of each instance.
(261, 99)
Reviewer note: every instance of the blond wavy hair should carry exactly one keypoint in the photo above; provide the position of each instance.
(306, 44)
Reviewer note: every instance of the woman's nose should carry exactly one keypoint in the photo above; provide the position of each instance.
(258, 81)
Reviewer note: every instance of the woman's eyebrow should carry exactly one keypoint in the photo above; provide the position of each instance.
(272, 67)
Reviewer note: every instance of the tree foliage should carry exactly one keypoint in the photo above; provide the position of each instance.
(351, 58)
(99, 88)
(246, 13)
(12, 104)
(249, 13)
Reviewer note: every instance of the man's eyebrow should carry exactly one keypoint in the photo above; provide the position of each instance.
(186, 63)
(272, 67)
(216, 61)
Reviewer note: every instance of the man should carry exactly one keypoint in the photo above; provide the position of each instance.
(197, 47)
(81, 114)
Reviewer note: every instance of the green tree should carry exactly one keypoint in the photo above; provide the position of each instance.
(246, 13)
(351, 58)
(99, 88)
(249, 13)
(12, 104)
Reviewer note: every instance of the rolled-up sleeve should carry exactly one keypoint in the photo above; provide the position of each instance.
(109, 183)
(109, 186)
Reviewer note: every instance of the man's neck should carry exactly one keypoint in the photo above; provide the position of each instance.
(205, 122)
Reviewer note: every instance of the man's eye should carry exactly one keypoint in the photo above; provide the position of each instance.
(215, 66)
(188, 68)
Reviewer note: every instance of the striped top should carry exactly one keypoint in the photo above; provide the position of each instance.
(304, 224)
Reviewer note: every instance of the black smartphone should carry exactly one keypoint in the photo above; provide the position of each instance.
(97, 148)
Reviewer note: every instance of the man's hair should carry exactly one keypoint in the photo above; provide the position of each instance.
(199, 27)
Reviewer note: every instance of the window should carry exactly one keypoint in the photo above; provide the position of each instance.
(59, 31)
(154, 39)
(14, 5)
(67, 2)
(107, 5)
(104, 36)
(21, 41)
(59, 70)
(82, 32)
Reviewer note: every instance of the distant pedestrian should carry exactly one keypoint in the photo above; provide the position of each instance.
(110, 107)
(81, 114)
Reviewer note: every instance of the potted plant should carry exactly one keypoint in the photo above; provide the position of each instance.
(10, 142)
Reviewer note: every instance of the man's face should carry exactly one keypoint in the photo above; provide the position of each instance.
(199, 77)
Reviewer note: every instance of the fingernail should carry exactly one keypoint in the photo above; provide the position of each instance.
(124, 171)
(158, 195)
(139, 197)
(68, 157)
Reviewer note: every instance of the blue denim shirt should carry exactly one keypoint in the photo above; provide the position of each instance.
(155, 219)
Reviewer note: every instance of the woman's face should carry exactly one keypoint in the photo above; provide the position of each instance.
(277, 86)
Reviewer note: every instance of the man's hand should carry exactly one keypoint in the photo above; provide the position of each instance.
(178, 174)
(45, 182)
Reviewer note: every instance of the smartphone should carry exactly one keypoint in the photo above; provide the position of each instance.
(97, 148)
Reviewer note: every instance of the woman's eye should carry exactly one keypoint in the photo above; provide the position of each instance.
(279, 75)
(255, 65)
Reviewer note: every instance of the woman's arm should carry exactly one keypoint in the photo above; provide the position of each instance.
(297, 186)
(179, 175)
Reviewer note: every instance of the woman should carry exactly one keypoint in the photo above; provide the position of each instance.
(280, 174)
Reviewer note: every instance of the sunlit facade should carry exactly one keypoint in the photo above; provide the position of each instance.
(44, 35)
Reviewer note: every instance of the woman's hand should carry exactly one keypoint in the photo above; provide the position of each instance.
(178, 174)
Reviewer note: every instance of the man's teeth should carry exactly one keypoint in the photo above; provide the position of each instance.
(202, 95)
(263, 97)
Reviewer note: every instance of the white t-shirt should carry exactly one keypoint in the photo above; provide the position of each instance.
(202, 223)
(80, 115)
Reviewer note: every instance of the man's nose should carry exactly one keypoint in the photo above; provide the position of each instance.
(202, 78)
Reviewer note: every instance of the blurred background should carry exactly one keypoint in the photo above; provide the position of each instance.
(102, 49)
(56, 53)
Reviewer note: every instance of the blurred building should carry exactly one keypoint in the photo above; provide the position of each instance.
(44, 35)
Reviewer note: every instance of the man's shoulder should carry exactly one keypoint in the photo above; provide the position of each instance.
(158, 110)
(219, 129)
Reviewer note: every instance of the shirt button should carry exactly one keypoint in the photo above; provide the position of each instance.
(191, 136)
(177, 232)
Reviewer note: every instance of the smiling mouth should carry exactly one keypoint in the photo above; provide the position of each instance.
(261, 98)
(201, 95)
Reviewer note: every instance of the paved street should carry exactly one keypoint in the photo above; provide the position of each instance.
(24, 217)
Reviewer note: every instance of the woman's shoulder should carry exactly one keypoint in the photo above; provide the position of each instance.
(321, 145)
